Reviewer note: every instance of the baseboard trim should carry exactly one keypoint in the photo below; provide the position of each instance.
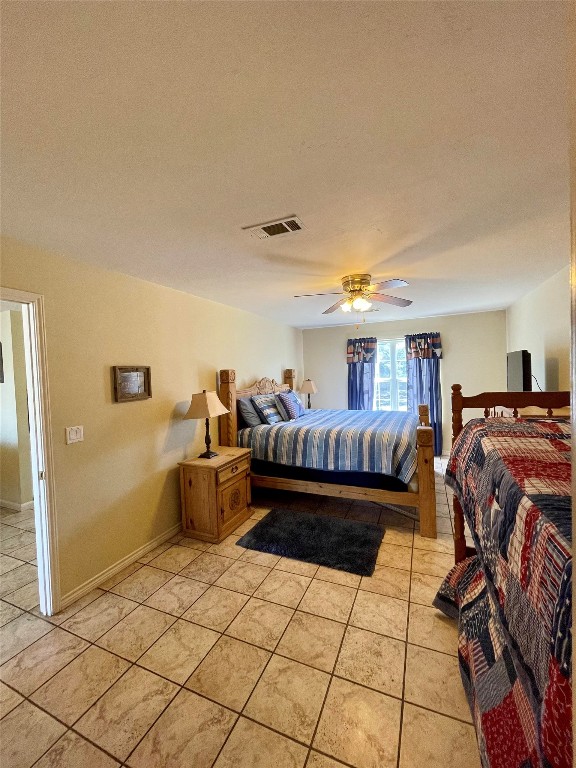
(17, 507)
(88, 586)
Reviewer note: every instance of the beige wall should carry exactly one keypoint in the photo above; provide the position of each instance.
(540, 323)
(15, 463)
(9, 464)
(24, 455)
(474, 355)
(118, 489)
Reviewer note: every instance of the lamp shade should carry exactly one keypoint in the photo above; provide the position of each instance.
(308, 387)
(205, 405)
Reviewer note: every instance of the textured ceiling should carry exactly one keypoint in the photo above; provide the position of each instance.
(420, 140)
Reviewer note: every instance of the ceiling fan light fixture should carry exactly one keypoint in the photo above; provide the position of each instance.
(359, 293)
(360, 304)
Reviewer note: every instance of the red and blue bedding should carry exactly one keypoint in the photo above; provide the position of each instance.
(513, 599)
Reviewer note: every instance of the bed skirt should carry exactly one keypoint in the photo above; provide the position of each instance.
(355, 479)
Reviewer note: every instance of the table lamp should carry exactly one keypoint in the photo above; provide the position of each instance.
(308, 388)
(206, 405)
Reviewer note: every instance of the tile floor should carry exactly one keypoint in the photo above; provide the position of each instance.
(201, 655)
(18, 568)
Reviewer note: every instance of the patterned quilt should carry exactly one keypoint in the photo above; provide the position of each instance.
(513, 600)
(360, 441)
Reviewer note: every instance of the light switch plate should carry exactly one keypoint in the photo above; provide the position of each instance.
(74, 434)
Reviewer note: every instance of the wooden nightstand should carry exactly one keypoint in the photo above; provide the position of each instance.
(215, 493)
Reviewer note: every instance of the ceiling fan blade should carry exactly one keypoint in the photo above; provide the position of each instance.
(394, 283)
(334, 307)
(389, 299)
(332, 293)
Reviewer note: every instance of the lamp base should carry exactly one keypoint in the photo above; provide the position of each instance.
(207, 455)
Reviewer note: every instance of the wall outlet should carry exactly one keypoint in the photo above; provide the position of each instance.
(74, 435)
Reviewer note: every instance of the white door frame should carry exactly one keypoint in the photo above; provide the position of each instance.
(41, 446)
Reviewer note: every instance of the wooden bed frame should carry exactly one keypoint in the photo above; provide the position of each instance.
(493, 403)
(423, 497)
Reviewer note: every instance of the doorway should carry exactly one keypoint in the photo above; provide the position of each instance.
(27, 519)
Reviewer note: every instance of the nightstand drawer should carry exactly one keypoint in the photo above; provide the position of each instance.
(235, 470)
(233, 499)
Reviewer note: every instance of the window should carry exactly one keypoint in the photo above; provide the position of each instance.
(390, 382)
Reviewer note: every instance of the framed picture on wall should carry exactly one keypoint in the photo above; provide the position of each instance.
(131, 382)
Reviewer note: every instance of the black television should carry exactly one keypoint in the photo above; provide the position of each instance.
(519, 371)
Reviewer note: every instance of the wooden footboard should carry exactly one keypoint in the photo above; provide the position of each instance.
(424, 499)
(493, 403)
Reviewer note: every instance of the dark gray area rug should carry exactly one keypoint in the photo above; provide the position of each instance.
(347, 545)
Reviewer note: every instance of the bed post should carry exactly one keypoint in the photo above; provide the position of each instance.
(290, 377)
(459, 535)
(424, 415)
(457, 406)
(228, 423)
(426, 487)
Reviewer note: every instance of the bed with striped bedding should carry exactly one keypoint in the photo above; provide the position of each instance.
(367, 456)
(334, 440)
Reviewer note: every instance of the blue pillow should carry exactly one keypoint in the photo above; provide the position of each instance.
(248, 412)
(292, 404)
(266, 407)
(280, 406)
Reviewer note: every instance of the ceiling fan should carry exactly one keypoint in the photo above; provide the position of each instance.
(359, 294)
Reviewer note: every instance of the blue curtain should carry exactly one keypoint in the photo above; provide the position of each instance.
(423, 354)
(361, 359)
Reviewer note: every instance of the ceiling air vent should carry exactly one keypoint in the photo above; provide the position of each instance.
(273, 228)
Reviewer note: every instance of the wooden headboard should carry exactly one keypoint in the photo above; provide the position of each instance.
(549, 401)
(229, 394)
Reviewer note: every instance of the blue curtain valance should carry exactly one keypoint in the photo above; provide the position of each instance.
(423, 345)
(361, 350)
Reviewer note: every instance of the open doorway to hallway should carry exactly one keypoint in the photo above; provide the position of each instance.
(29, 574)
(18, 553)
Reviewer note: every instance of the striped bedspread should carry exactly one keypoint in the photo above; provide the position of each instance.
(360, 441)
